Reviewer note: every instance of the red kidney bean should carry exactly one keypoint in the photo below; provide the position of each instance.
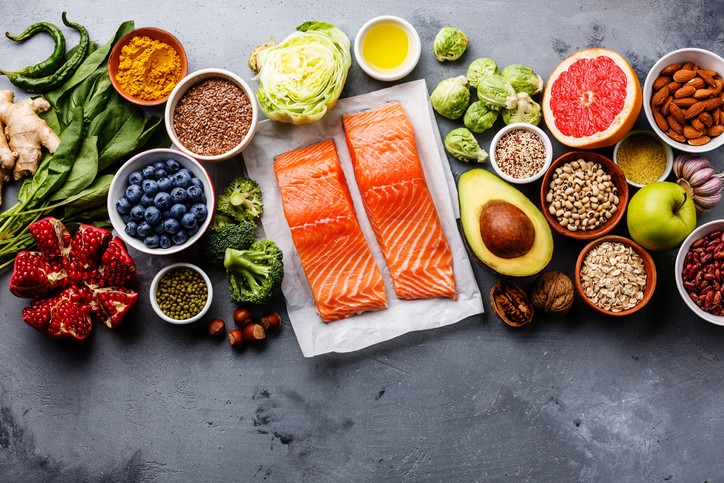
(703, 272)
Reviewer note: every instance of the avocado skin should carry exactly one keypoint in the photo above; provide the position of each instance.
(478, 186)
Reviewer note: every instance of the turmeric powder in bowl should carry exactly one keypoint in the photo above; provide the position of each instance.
(643, 158)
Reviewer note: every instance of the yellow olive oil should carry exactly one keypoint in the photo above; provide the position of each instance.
(385, 47)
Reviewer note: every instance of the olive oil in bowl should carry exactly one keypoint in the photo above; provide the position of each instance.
(387, 48)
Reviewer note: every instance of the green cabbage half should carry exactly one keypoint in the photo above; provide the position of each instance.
(301, 78)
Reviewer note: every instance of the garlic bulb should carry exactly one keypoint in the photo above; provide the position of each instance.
(695, 174)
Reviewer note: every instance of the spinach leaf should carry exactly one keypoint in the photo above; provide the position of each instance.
(82, 173)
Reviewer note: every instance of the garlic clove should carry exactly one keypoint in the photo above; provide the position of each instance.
(700, 177)
(711, 186)
(706, 203)
(685, 165)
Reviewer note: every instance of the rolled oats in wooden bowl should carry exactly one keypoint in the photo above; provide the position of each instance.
(615, 276)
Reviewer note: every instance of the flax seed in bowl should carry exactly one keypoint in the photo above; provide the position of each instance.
(520, 153)
(211, 115)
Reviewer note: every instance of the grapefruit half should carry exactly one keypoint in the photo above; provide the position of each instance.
(592, 99)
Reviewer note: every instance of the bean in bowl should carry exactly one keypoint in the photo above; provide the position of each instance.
(703, 273)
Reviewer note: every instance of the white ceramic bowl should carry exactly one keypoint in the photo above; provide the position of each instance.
(698, 233)
(154, 289)
(705, 60)
(528, 127)
(413, 54)
(191, 80)
(138, 162)
(667, 149)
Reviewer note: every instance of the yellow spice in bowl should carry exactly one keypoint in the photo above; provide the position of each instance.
(148, 69)
(642, 158)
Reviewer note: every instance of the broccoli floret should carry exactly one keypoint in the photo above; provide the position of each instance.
(255, 275)
(225, 233)
(241, 200)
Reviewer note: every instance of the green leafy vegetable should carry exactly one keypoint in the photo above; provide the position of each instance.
(526, 110)
(462, 144)
(496, 92)
(451, 97)
(301, 78)
(479, 69)
(450, 43)
(225, 233)
(523, 79)
(255, 275)
(241, 200)
(479, 117)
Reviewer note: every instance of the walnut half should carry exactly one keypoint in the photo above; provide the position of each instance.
(511, 304)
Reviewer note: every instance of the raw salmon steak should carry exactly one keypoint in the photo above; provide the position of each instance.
(337, 261)
(398, 203)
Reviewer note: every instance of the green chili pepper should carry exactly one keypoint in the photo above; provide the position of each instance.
(45, 84)
(52, 63)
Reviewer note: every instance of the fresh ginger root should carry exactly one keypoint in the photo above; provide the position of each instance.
(7, 160)
(26, 132)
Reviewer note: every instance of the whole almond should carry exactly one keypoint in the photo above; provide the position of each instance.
(697, 83)
(700, 141)
(685, 102)
(707, 75)
(660, 96)
(675, 136)
(697, 124)
(676, 111)
(675, 124)
(684, 75)
(660, 82)
(695, 110)
(712, 103)
(660, 121)
(670, 69)
(690, 66)
(674, 86)
(706, 119)
(702, 93)
(686, 91)
(715, 130)
(716, 117)
(718, 83)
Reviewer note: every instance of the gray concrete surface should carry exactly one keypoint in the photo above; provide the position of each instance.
(585, 398)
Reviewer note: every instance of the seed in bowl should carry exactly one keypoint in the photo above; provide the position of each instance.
(582, 196)
(182, 293)
(642, 158)
(613, 276)
(703, 273)
(212, 117)
(520, 153)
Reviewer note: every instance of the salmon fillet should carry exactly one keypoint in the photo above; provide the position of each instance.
(398, 203)
(337, 261)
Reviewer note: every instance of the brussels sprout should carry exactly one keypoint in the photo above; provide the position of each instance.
(523, 79)
(526, 110)
(462, 144)
(480, 117)
(481, 68)
(451, 97)
(496, 92)
(449, 44)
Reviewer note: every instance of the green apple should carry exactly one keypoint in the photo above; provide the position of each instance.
(660, 216)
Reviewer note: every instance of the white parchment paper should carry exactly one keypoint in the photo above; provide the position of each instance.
(316, 337)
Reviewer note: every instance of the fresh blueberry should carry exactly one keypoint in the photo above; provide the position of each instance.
(149, 186)
(160, 173)
(166, 214)
(162, 201)
(159, 165)
(199, 211)
(197, 182)
(144, 229)
(181, 178)
(123, 206)
(194, 193)
(134, 193)
(137, 213)
(152, 215)
(126, 218)
(202, 199)
(188, 220)
(177, 211)
(164, 241)
(192, 231)
(148, 172)
(165, 184)
(151, 241)
(135, 178)
(180, 238)
(147, 200)
(178, 195)
(158, 229)
(172, 165)
(131, 228)
(171, 226)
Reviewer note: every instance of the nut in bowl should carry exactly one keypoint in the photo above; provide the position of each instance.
(520, 153)
(181, 293)
(615, 276)
(145, 65)
(583, 195)
(211, 115)
(161, 201)
(700, 259)
(643, 157)
(683, 100)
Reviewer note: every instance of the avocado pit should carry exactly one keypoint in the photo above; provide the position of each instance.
(505, 229)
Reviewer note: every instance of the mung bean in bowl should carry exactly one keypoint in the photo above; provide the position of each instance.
(181, 293)
(583, 195)
(520, 153)
(615, 276)
(699, 271)
(643, 157)
(211, 115)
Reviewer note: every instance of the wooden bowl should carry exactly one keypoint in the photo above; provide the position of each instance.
(154, 34)
(649, 267)
(619, 181)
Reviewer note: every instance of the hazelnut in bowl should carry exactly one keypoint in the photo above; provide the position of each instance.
(520, 153)
(161, 201)
(697, 263)
(583, 195)
(615, 276)
(211, 115)
(181, 293)
(683, 99)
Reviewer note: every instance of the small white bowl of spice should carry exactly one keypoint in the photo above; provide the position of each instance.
(181, 293)
(211, 115)
(643, 157)
(521, 153)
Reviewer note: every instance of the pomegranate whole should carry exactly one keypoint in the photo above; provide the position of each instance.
(73, 280)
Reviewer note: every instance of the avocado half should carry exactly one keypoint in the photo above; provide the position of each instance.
(477, 187)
